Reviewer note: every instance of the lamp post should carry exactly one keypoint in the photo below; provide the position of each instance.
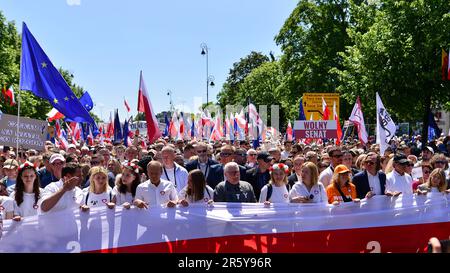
(169, 93)
(209, 78)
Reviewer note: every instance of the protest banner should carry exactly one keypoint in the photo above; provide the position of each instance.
(32, 132)
(315, 129)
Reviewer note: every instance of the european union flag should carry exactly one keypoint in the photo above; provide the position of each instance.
(301, 112)
(38, 75)
(118, 137)
(86, 101)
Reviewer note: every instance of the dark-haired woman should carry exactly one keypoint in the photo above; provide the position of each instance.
(196, 191)
(27, 192)
(126, 184)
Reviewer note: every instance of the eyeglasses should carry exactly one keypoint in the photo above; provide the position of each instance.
(225, 154)
(370, 163)
(441, 162)
(201, 151)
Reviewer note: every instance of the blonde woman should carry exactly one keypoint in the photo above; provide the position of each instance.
(99, 193)
(309, 189)
(277, 190)
(435, 183)
(341, 189)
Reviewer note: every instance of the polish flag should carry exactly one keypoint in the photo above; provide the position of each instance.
(325, 110)
(54, 115)
(336, 118)
(126, 105)
(90, 137)
(145, 106)
(289, 132)
(9, 93)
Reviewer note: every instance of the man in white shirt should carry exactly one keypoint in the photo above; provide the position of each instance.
(335, 154)
(64, 193)
(398, 181)
(155, 191)
(172, 171)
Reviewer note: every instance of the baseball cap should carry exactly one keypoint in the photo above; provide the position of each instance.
(264, 156)
(72, 146)
(341, 169)
(400, 158)
(10, 164)
(55, 157)
(428, 148)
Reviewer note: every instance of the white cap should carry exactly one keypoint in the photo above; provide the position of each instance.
(72, 146)
(55, 157)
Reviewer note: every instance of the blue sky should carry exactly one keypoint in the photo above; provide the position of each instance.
(106, 43)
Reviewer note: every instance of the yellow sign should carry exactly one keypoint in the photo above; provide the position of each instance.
(312, 104)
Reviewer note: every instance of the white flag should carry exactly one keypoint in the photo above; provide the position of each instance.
(357, 118)
(385, 126)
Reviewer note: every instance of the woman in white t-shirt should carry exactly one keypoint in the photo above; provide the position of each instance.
(309, 189)
(27, 192)
(276, 191)
(196, 190)
(126, 184)
(99, 193)
(435, 183)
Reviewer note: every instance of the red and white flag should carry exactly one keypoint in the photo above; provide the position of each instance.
(289, 132)
(336, 118)
(145, 106)
(357, 118)
(54, 115)
(9, 94)
(90, 137)
(325, 110)
(126, 105)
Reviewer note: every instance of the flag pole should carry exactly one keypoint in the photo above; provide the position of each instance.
(18, 120)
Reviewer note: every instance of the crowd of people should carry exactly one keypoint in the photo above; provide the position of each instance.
(178, 173)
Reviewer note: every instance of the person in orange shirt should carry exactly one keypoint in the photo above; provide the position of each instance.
(341, 189)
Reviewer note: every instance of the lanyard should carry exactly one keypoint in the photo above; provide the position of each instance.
(174, 174)
(206, 170)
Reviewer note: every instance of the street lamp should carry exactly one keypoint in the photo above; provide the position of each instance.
(209, 78)
(169, 93)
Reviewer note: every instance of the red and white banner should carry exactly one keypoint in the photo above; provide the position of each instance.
(381, 224)
(315, 129)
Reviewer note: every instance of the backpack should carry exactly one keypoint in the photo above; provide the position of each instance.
(270, 190)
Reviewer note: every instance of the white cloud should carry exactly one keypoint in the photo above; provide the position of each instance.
(73, 2)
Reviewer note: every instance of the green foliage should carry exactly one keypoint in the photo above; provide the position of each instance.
(230, 90)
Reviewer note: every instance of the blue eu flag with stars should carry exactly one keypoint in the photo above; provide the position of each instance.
(38, 75)
(86, 101)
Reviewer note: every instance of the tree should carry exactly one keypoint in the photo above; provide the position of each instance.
(310, 39)
(230, 90)
(398, 56)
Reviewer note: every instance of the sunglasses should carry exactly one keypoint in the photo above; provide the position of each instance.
(441, 162)
(426, 172)
(252, 155)
(225, 154)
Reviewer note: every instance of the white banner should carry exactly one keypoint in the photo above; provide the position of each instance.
(394, 223)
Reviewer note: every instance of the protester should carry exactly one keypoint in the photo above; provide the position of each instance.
(172, 171)
(371, 181)
(297, 175)
(155, 191)
(233, 189)
(398, 181)
(277, 190)
(126, 185)
(341, 189)
(308, 189)
(435, 183)
(99, 193)
(259, 175)
(27, 192)
(64, 193)
(335, 154)
(10, 170)
(196, 190)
